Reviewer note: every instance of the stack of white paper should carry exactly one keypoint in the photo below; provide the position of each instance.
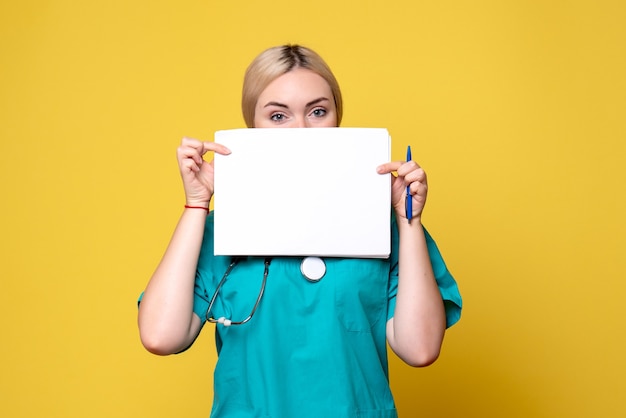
(299, 192)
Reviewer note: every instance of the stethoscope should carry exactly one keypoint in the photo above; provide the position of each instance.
(312, 269)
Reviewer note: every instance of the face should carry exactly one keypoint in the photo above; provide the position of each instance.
(297, 99)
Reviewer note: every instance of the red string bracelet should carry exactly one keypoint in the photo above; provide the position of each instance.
(196, 207)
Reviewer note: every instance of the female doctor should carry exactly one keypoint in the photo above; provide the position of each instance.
(291, 345)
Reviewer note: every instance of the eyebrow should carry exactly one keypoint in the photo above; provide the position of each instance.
(311, 103)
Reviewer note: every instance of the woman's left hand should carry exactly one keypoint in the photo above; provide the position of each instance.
(409, 174)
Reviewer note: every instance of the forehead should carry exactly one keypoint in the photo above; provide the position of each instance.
(295, 85)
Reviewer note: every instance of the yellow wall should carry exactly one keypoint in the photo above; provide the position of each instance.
(516, 109)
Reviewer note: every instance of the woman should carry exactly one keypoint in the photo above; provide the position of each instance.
(304, 348)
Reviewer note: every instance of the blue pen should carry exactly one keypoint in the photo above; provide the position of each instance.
(409, 198)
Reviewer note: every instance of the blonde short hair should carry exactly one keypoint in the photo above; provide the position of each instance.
(279, 60)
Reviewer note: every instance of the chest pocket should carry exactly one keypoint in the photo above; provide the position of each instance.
(361, 288)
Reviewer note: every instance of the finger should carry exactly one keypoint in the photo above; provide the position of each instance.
(389, 167)
(408, 167)
(191, 142)
(416, 175)
(202, 147)
(418, 189)
(189, 151)
(215, 147)
(188, 164)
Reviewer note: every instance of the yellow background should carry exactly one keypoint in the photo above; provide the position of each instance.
(516, 110)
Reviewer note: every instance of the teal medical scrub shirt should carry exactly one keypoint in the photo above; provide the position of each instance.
(311, 349)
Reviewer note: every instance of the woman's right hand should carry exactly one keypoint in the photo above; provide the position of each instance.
(197, 174)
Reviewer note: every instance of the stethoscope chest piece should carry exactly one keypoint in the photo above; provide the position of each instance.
(313, 268)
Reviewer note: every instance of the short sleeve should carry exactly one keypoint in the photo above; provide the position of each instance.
(446, 283)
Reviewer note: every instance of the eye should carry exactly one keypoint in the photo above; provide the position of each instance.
(277, 117)
(318, 112)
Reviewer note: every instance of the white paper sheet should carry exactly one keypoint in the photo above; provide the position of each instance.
(296, 192)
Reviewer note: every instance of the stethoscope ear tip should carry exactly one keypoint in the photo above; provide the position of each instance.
(312, 268)
(224, 321)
